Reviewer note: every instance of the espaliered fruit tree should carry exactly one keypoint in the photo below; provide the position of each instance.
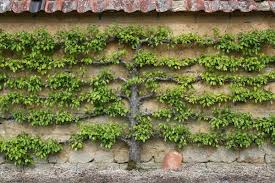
(45, 80)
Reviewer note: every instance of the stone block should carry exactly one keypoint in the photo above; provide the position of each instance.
(252, 155)
(221, 154)
(104, 156)
(121, 154)
(194, 154)
(85, 155)
(61, 157)
(40, 161)
(2, 159)
(155, 149)
(269, 153)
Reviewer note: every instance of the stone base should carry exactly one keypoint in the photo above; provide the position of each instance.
(115, 173)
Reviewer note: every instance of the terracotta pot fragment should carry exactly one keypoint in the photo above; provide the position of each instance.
(172, 161)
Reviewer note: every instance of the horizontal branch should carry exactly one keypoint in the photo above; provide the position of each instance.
(121, 79)
(121, 62)
(79, 116)
(123, 96)
(172, 79)
(145, 97)
(146, 113)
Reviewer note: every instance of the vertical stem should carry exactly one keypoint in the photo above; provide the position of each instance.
(134, 151)
(134, 146)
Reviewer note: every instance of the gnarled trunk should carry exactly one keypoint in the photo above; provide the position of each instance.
(134, 146)
(134, 154)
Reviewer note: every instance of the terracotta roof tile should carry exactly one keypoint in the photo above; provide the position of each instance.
(81, 6)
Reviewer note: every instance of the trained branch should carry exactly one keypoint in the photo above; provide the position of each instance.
(121, 79)
(145, 97)
(122, 96)
(172, 79)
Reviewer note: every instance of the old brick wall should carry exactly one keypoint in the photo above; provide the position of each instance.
(154, 150)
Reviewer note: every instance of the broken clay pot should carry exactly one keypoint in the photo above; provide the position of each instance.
(172, 161)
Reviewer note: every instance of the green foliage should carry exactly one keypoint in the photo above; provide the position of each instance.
(232, 64)
(247, 43)
(106, 134)
(43, 63)
(44, 117)
(104, 99)
(77, 41)
(178, 134)
(185, 81)
(178, 110)
(246, 130)
(3, 79)
(4, 40)
(163, 114)
(207, 139)
(179, 96)
(64, 98)
(214, 79)
(143, 58)
(21, 42)
(172, 96)
(64, 80)
(192, 39)
(143, 130)
(40, 53)
(131, 35)
(218, 62)
(135, 36)
(178, 113)
(207, 99)
(239, 80)
(241, 94)
(252, 42)
(126, 87)
(31, 84)
(113, 58)
(224, 117)
(267, 126)
(147, 58)
(23, 148)
(228, 44)
(15, 98)
(240, 139)
(157, 36)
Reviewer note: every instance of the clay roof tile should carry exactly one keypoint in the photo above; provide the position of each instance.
(97, 6)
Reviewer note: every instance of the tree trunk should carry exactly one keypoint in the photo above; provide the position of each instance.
(134, 146)
(134, 151)
(134, 154)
